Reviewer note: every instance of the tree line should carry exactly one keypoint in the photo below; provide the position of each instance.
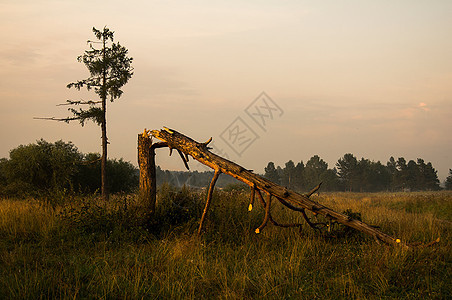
(45, 168)
(351, 174)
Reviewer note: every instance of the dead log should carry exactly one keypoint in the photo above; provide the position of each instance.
(291, 199)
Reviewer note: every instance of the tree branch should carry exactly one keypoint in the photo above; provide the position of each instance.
(67, 120)
(267, 213)
(253, 191)
(70, 102)
(209, 198)
(313, 190)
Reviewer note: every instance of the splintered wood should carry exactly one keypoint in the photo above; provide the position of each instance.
(186, 147)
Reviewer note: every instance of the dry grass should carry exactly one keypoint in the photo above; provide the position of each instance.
(45, 253)
(25, 218)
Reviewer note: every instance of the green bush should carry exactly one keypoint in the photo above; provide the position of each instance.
(39, 168)
(55, 170)
(122, 176)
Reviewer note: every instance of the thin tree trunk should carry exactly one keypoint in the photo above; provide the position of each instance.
(104, 187)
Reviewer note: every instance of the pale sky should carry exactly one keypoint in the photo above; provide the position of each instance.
(371, 78)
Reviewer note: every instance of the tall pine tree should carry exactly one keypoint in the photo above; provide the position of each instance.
(110, 69)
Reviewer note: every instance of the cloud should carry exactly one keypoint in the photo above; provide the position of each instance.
(413, 111)
(19, 55)
(423, 106)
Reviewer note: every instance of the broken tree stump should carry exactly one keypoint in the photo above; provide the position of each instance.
(146, 194)
(295, 201)
(146, 161)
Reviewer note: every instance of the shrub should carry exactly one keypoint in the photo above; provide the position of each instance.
(49, 170)
(176, 208)
(119, 218)
(236, 187)
(39, 168)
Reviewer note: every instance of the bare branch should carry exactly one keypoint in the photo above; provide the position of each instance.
(183, 159)
(271, 218)
(253, 191)
(70, 102)
(313, 190)
(285, 225)
(267, 213)
(159, 145)
(91, 161)
(209, 198)
(67, 120)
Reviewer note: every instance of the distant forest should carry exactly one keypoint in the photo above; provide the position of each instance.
(349, 174)
(49, 169)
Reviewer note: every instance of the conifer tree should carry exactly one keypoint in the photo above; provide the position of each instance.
(448, 182)
(110, 69)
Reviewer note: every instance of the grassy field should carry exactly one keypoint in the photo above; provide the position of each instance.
(89, 249)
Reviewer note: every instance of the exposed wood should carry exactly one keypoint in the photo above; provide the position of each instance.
(267, 217)
(146, 161)
(313, 190)
(147, 172)
(209, 198)
(289, 198)
(253, 192)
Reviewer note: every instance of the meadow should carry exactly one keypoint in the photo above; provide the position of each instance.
(88, 249)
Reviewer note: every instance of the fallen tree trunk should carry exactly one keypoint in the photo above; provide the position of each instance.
(295, 201)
